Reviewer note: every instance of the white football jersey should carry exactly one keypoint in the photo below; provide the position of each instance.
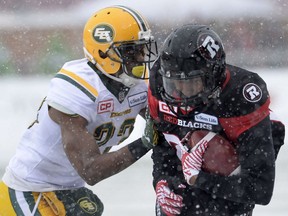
(40, 163)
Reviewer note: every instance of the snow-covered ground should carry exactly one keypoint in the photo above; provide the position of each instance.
(130, 192)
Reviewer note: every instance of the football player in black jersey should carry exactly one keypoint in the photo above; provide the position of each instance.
(192, 88)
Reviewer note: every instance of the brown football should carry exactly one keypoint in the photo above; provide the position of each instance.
(220, 156)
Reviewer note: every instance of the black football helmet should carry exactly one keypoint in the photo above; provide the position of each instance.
(192, 56)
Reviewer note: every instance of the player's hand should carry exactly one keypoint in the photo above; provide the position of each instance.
(192, 162)
(150, 135)
(170, 202)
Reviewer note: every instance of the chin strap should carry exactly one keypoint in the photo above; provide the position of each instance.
(127, 80)
(216, 93)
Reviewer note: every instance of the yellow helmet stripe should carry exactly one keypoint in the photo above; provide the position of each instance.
(80, 83)
(141, 22)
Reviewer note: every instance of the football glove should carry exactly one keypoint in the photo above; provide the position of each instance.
(192, 162)
(150, 135)
(170, 202)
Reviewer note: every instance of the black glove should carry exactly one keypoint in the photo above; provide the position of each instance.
(150, 135)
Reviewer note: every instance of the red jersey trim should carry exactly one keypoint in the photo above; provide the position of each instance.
(228, 75)
(234, 126)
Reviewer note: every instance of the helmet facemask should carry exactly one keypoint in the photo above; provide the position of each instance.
(192, 58)
(185, 83)
(135, 57)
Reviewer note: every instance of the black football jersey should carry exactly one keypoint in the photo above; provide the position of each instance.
(243, 103)
(241, 114)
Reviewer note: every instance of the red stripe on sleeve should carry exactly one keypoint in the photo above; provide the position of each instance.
(234, 126)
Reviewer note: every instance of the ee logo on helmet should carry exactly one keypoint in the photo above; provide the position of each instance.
(103, 33)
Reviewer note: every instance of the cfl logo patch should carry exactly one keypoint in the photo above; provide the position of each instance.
(103, 33)
(252, 92)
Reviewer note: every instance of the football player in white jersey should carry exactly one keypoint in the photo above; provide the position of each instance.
(91, 105)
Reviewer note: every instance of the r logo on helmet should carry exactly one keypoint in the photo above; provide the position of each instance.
(208, 47)
(103, 33)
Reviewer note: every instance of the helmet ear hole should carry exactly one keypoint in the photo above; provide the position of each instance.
(102, 54)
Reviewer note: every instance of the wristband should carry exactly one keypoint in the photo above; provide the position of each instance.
(137, 149)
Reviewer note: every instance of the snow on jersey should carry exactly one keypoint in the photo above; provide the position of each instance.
(40, 160)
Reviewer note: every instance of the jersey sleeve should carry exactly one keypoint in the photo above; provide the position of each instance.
(74, 93)
(278, 132)
(246, 104)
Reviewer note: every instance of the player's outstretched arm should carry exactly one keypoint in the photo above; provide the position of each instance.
(84, 154)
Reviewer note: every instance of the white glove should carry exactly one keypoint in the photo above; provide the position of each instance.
(169, 202)
(192, 162)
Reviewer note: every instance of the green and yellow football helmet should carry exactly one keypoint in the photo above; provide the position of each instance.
(118, 41)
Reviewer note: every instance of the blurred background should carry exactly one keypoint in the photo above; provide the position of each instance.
(38, 37)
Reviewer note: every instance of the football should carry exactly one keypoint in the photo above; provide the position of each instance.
(220, 156)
